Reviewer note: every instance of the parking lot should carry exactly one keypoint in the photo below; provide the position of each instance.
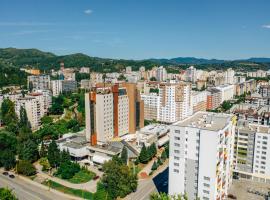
(240, 189)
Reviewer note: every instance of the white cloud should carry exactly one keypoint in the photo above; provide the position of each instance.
(266, 26)
(88, 12)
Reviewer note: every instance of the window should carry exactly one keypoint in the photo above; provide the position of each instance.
(206, 192)
(176, 164)
(206, 178)
(263, 157)
(176, 144)
(264, 142)
(206, 185)
(176, 170)
(264, 148)
(176, 158)
(177, 138)
(205, 198)
(265, 137)
(177, 131)
(176, 151)
(262, 162)
(263, 152)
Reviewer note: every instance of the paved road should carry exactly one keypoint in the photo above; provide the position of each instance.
(145, 189)
(26, 191)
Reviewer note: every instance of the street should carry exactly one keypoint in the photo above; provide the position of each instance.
(26, 191)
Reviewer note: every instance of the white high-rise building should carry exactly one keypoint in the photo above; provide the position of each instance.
(229, 76)
(191, 74)
(201, 155)
(56, 87)
(161, 74)
(40, 82)
(33, 110)
(227, 92)
(252, 152)
(167, 102)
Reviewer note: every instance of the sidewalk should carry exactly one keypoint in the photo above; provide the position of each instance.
(29, 181)
(88, 186)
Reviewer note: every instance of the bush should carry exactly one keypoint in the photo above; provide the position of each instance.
(24, 167)
(67, 170)
(45, 164)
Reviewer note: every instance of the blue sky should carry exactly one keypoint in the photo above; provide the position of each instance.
(139, 29)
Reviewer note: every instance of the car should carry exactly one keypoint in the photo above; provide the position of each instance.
(96, 177)
(11, 176)
(5, 173)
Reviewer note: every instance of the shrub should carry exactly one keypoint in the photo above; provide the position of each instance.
(24, 167)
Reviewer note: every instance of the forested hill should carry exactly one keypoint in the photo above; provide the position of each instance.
(11, 59)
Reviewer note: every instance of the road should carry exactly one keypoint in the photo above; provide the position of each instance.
(145, 189)
(26, 191)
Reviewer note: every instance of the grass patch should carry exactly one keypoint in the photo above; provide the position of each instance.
(82, 176)
(76, 192)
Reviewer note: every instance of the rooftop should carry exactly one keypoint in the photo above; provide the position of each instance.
(206, 120)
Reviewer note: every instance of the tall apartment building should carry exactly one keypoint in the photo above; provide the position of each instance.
(151, 105)
(56, 87)
(198, 101)
(213, 98)
(227, 92)
(33, 110)
(191, 74)
(45, 99)
(107, 114)
(201, 156)
(161, 74)
(252, 152)
(136, 107)
(40, 82)
(168, 102)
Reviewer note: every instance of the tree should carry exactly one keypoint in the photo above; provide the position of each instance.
(28, 150)
(45, 164)
(42, 151)
(124, 155)
(53, 154)
(46, 120)
(101, 193)
(153, 79)
(144, 155)
(68, 169)
(152, 150)
(6, 194)
(65, 157)
(164, 196)
(7, 159)
(163, 155)
(26, 168)
(159, 161)
(118, 180)
(154, 166)
(8, 114)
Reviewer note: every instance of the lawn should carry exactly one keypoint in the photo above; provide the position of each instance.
(76, 192)
(82, 176)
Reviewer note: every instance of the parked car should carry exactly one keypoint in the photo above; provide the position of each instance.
(5, 173)
(231, 196)
(96, 177)
(11, 176)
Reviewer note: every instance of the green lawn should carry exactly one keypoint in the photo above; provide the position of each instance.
(76, 192)
(82, 176)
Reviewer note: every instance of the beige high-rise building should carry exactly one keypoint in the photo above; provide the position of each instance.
(108, 114)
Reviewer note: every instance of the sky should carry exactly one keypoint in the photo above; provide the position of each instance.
(139, 29)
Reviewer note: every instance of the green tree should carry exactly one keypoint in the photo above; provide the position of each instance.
(26, 168)
(163, 155)
(42, 151)
(124, 155)
(28, 150)
(46, 120)
(7, 159)
(153, 79)
(101, 193)
(144, 156)
(159, 161)
(44, 163)
(53, 154)
(6, 194)
(154, 166)
(118, 180)
(65, 157)
(8, 114)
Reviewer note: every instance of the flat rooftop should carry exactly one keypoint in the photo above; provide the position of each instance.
(155, 129)
(206, 120)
